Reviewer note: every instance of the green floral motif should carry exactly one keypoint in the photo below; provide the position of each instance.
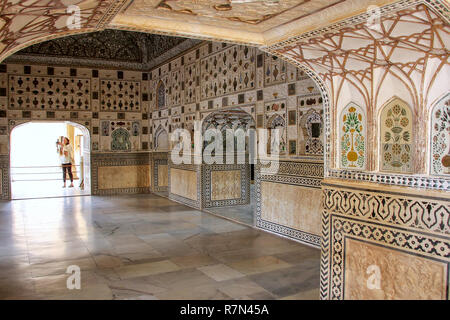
(353, 140)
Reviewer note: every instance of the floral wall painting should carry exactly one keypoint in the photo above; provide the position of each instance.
(440, 137)
(396, 138)
(353, 138)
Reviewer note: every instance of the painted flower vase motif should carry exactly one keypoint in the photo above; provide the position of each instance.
(353, 139)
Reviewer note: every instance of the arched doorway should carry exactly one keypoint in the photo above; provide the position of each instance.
(35, 168)
(240, 206)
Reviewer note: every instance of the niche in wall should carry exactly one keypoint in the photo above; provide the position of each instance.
(396, 137)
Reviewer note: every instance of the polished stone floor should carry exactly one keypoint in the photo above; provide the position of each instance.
(242, 214)
(45, 189)
(144, 247)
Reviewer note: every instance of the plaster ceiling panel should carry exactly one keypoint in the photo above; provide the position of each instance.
(404, 27)
(402, 55)
(357, 64)
(248, 15)
(352, 42)
(312, 53)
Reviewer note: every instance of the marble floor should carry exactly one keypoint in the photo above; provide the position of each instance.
(144, 247)
(45, 189)
(242, 214)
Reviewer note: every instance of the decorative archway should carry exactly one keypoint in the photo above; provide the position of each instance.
(231, 118)
(161, 140)
(85, 150)
(396, 137)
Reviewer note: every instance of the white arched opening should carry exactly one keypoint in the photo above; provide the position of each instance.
(35, 167)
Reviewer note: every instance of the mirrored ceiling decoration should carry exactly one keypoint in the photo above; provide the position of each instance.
(134, 50)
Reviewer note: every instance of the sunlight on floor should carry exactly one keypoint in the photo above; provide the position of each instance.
(44, 189)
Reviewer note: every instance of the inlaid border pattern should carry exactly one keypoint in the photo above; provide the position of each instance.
(350, 214)
(156, 163)
(117, 159)
(4, 166)
(288, 174)
(112, 11)
(431, 215)
(206, 182)
(197, 204)
(306, 169)
(393, 238)
(393, 179)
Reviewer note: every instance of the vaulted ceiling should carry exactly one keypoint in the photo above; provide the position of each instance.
(258, 22)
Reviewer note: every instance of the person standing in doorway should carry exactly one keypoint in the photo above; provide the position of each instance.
(66, 156)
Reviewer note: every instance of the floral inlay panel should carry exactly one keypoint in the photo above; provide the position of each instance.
(440, 137)
(353, 138)
(396, 138)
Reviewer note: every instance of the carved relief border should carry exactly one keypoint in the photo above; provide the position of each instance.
(393, 179)
(206, 185)
(4, 166)
(116, 159)
(298, 169)
(397, 210)
(417, 225)
(289, 174)
(156, 164)
(197, 204)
